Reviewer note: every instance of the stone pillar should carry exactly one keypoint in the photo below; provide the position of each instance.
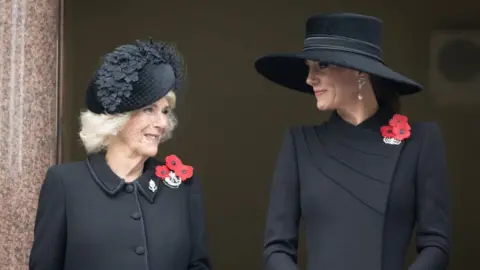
(29, 31)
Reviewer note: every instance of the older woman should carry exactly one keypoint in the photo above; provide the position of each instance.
(362, 180)
(120, 208)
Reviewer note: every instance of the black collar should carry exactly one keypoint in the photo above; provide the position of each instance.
(366, 135)
(373, 123)
(112, 184)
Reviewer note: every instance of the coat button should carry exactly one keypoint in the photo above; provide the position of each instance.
(140, 250)
(129, 188)
(136, 215)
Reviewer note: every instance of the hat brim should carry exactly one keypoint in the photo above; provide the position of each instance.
(290, 70)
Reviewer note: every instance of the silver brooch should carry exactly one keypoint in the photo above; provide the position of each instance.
(391, 141)
(152, 186)
(172, 180)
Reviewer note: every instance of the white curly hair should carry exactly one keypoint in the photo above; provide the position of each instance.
(96, 130)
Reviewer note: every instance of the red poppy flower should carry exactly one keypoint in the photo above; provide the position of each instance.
(172, 162)
(181, 170)
(387, 131)
(162, 171)
(398, 119)
(401, 131)
(398, 128)
(184, 172)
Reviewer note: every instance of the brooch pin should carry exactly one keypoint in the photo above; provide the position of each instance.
(174, 172)
(396, 131)
(152, 186)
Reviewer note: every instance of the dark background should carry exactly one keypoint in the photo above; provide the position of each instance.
(232, 120)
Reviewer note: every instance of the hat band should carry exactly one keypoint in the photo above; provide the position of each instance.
(343, 44)
(345, 49)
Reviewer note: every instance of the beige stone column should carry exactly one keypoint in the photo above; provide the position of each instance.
(29, 31)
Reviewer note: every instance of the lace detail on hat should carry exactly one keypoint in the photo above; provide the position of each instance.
(120, 69)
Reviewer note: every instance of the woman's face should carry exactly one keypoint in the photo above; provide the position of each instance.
(146, 128)
(335, 87)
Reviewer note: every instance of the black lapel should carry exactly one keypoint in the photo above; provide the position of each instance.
(103, 175)
(355, 158)
(149, 185)
(112, 184)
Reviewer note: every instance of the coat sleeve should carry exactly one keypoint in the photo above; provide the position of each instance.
(433, 205)
(200, 259)
(281, 234)
(48, 248)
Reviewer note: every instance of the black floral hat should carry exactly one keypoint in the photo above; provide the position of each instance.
(133, 76)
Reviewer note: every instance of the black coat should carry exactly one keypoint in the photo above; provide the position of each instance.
(359, 198)
(90, 219)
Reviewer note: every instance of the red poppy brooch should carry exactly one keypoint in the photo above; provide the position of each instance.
(174, 172)
(397, 130)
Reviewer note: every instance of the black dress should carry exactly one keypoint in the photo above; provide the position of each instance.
(90, 219)
(359, 198)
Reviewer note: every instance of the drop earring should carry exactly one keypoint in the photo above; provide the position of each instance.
(361, 81)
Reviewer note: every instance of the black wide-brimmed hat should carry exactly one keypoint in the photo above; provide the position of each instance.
(343, 39)
(133, 76)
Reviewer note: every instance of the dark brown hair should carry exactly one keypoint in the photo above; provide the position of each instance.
(386, 94)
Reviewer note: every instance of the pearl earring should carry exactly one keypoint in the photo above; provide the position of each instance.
(361, 81)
